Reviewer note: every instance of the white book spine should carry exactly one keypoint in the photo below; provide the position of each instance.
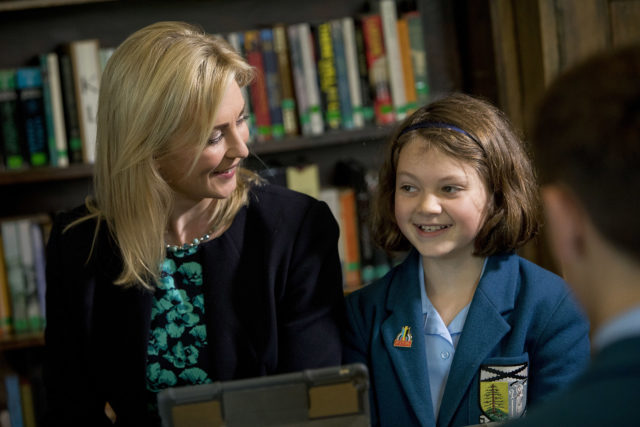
(57, 111)
(392, 46)
(353, 75)
(311, 79)
(297, 71)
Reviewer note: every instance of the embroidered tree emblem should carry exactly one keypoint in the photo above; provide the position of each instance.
(494, 402)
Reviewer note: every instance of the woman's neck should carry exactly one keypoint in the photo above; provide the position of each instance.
(188, 221)
(451, 284)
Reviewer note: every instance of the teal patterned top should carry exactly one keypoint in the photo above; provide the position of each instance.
(178, 350)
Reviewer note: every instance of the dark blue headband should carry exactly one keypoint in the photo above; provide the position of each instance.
(440, 125)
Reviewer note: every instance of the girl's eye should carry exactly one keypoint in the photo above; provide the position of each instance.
(407, 188)
(216, 137)
(450, 189)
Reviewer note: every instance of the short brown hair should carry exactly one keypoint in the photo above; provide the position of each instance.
(587, 137)
(492, 147)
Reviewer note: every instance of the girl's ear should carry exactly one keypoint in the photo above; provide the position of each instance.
(565, 223)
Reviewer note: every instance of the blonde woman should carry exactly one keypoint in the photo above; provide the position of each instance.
(183, 268)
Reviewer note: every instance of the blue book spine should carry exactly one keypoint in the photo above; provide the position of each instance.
(14, 402)
(29, 85)
(272, 77)
(346, 108)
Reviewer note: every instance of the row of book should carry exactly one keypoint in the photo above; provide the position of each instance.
(312, 78)
(22, 275)
(349, 200)
(24, 405)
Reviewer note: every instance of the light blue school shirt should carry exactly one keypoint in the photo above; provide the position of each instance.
(624, 326)
(440, 341)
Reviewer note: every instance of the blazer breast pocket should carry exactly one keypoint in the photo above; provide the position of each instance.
(503, 388)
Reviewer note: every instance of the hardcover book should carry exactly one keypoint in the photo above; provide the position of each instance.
(54, 109)
(12, 149)
(32, 118)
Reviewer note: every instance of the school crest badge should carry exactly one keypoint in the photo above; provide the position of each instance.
(503, 391)
(404, 338)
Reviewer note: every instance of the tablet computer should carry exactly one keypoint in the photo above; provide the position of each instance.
(333, 396)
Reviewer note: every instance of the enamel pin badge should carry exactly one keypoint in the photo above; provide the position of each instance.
(404, 338)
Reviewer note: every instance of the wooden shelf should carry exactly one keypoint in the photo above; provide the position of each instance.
(26, 340)
(7, 5)
(24, 176)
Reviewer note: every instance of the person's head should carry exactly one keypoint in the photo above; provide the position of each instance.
(586, 140)
(166, 94)
(457, 148)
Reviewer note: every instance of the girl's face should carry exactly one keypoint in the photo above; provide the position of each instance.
(440, 202)
(214, 175)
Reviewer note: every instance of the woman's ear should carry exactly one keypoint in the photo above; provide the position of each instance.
(565, 223)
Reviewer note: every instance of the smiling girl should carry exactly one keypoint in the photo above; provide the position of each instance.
(182, 268)
(463, 331)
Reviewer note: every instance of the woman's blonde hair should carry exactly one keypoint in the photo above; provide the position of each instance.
(480, 135)
(159, 92)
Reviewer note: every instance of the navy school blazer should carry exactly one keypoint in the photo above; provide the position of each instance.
(273, 304)
(522, 319)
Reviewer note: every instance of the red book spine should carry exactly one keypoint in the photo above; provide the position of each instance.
(258, 88)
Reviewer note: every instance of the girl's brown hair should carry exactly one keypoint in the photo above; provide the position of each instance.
(483, 139)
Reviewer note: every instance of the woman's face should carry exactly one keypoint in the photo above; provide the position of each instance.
(440, 202)
(214, 175)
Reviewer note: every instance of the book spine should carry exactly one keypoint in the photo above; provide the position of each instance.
(28, 409)
(351, 60)
(85, 61)
(311, 79)
(407, 68)
(327, 75)
(389, 18)
(331, 196)
(342, 74)
(35, 320)
(368, 95)
(72, 126)
(54, 113)
(297, 71)
(30, 101)
(39, 263)
(258, 89)
(236, 40)
(352, 277)
(5, 297)
(15, 276)
(14, 155)
(378, 70)
(272, 78)
(14, 402)
(418, 57)
(289, 115)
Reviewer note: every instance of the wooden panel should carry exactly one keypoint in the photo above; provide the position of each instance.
(625, 21)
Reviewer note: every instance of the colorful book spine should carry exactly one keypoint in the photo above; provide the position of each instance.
(368, 95)
(85, 62)
(54, 110)
(272, 78)
(14, 401)
(32, 119)
(280, 45)
(327, 75)
(351, 60)
(342, 74)
(418, 56)
(311, 79)
(389, 18)
(72, 125)
(236, 40)
(407, 67)
(5, 297)
(258, 88)
(15, 276)
(297, 71)
(378, 69)
(349, 220)
(35, 320)
(13, 150)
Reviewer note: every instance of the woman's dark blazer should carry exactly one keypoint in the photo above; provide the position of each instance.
(273, 303)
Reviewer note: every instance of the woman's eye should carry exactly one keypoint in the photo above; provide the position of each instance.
(242, 119)
(216, 137)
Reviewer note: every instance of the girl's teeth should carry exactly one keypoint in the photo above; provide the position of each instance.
(432, 228)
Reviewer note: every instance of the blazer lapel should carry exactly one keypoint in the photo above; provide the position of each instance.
(483, 330)
(409, 363)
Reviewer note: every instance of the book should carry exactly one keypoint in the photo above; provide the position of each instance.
(14, 401)
(305, 47)
(289, 115)
(304, 179)
(32, 119)
(342, 74)
(378, 69)
(331, 196)
(236, 40)
(273, 84)
(389, 19)
(258, 88)
(368, 94)
(70, 108)
(104, 53)
(353, 78)
(35, 319)
(28, 409)
(298, 76)
(327, 75)
(349, 222)
(15, 276)
(85, 63)
(5, 297)
(53, 109)
(12, 149)
(39, 263)
(407, 67)
(418, 56)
